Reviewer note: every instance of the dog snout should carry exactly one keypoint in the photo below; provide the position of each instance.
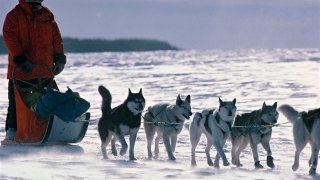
(275, 121)
(190, 113)
(140, 107)
(230, 113)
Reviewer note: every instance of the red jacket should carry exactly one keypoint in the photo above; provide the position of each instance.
(34, 37)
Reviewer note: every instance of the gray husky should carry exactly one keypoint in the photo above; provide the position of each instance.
(306, 128)
(254, 127)
(122, 120)
(167, 121)
(216, 125)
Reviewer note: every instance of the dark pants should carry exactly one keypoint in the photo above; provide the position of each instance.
(11, 120)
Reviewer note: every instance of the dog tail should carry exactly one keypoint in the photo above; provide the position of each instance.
(106, 99)
(197, 116)
(289, 112)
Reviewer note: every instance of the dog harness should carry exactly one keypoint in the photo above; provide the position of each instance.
(217, 118)
(165, 124)
(221, 126)
(264, 130)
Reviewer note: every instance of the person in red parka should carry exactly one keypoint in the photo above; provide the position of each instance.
(32, 37)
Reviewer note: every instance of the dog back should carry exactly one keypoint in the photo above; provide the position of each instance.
(161, 113)
(243, 123)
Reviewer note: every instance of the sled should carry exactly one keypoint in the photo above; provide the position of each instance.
(36, 130)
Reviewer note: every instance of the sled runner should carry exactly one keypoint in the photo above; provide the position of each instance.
(33, 129)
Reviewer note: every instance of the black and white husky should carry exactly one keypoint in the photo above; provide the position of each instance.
(306, 128)
(216, 125)
(254, 128)
(122, 120)
(167, 120)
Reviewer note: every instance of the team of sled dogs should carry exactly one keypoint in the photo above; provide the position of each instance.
(165, 121)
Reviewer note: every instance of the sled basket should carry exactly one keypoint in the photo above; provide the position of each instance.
(33, 129)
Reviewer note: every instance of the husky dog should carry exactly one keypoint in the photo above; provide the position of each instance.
(216, 125)
(167, 120)
(254, 127)
(306, 128)
(122, 120)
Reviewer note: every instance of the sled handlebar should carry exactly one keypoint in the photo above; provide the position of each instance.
(37, 75)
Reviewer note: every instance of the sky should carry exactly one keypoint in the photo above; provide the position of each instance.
(191, 24)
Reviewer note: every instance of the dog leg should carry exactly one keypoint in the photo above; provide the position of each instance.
(156, 146)
(234, 159)
(104, 145)
(239, 147)
(300, 142)
(105, 137)
(132, 138)
(166, 141)
(254, 148)
(314, 162)
(194, 140)
(295, 165)
(174, 142)
(124, 145)
(216, 161)
(208, 148)
(149, 130)
(315, 145)
(266, 145)
(220, 152)
(149, 142)
(311, 159)
(113, 147)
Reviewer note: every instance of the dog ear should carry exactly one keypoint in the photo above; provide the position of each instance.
(234, 101)
(130, 91)
(179, 101)
(188, 98)
(264, 105)
(140, 92)
(275, 105)
(220, 101)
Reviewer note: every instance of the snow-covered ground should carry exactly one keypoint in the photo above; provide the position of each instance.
(252, 76)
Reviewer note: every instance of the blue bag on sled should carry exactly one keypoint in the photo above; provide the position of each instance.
(67, 106)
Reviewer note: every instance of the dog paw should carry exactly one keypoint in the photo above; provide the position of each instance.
(133, 158)
(114, 152)
(233, 161)
(239, 165)
(270, 161)
(123, 151)
(216, 166)
(210, 163)
(156, 154)
(104, 155)
(295, 167)
(172, 158)
(150, 156)
(226, 163)
(312, 171)
(257, 165)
